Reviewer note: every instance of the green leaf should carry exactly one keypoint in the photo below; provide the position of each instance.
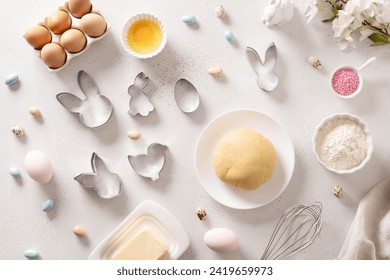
(330, 19)
(335, 12)
(378, 44)
(379, 39)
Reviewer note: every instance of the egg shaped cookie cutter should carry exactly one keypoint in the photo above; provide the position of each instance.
(267, 79)
(95, 110)
(149, 165)
(106, 183)
(186, 96)
(139, 100)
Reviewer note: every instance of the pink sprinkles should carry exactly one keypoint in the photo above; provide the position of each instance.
(345, 81)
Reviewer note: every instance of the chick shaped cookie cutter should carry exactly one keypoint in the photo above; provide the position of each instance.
(95, 110)
(264, 69)
(106, 183)
(149, 165)
(139, 101)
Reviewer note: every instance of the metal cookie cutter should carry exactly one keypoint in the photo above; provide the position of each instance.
(107, 184)
(149, 165)
(264, 69)
(95, 109)
(186, 96)
(139, 100)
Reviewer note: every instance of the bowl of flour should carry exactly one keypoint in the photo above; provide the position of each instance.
(342, 143)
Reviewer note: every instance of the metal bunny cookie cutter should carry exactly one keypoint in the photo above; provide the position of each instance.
(107, 184)
(149, 165)
(139, 100)
(95, 109)
(186, 96)
(264, 69)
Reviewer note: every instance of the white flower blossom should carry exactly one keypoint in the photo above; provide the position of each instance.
(364, 33)
(383, 15)
(309, 8)
(352, 17)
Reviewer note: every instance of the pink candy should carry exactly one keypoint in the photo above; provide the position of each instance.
(345, 81)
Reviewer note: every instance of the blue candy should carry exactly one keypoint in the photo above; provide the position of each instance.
(229, 36)
(189, 19)
(15, 172)
(47, 205)
(11, 79)
(31, 254)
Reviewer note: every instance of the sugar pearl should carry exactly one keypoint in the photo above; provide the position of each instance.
(220, 11)
(315, 62)
(79, 231)
(229, 36)
(31, 254)
(201, 213)
(14, 172)
(216, 72)
(18, 130)
(338, 191)
(134, 135)
(35, 112)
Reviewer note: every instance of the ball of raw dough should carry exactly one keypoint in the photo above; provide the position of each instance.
(244, 159)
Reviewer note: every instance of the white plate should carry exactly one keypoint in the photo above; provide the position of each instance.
(235, 198)
(148, 214)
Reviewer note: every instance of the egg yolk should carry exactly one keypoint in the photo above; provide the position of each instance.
(144, 36)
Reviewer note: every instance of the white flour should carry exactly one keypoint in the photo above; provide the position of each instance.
(341, 144)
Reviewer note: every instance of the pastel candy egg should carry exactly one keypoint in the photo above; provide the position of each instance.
(221, 240)
(38, 166)
(189, 19)
(11, 79)
(79, 231)
(229, 36)
(31, 254)
(47, 205)
(14, 172)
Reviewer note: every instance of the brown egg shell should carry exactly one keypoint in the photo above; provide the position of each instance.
(58, 22)
(75, 24)
(79, 8)
(73, 40)
(38, 36)
(93, 24)
(53, 55)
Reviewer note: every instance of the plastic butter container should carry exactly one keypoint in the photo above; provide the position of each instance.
(149, 228)
(64, 34)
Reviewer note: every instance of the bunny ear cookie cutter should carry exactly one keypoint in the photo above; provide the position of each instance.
(149, 165)
(106, 183)
(267, 80)
(139, 101)
(95, 110)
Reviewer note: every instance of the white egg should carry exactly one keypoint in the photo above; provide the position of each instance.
(38, 166)
(221, 240)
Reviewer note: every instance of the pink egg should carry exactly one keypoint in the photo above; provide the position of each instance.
(221, 240)
(38, 166)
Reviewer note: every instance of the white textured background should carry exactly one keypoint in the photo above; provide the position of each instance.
(300, 102)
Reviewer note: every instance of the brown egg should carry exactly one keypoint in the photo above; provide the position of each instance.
(37, 36)
(73, 40)
(78, 8)
(59, 22)
(53, 55)
(93, 25)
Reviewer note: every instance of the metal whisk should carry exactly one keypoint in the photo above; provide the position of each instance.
(296, 230)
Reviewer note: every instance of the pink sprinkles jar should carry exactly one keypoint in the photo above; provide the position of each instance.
(345, 81)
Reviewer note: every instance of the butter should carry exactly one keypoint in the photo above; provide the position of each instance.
(144, 246)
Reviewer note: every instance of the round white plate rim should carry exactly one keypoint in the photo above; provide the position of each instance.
(230, 197)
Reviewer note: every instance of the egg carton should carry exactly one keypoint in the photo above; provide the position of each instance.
(75, 24)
